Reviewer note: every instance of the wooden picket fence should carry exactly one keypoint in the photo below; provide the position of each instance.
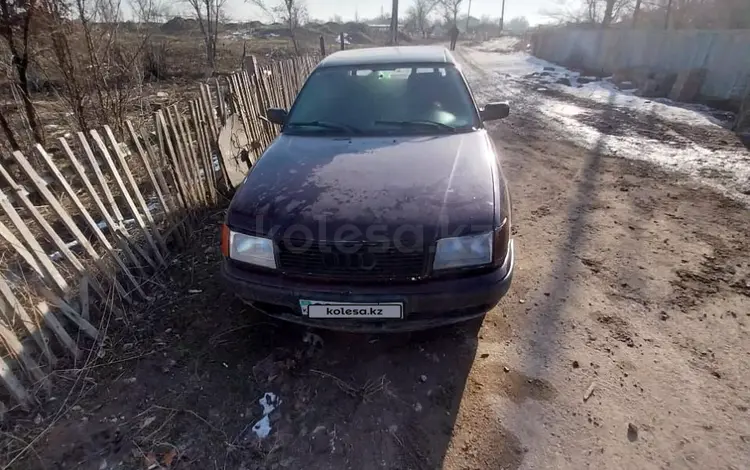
(86, 226)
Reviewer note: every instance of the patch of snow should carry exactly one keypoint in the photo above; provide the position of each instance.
(513, 75)
(566, 109)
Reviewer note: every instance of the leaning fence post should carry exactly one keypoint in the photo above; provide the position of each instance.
(322, 46)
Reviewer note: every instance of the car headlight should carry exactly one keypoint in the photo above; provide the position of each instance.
(459, 252)
(251, 250)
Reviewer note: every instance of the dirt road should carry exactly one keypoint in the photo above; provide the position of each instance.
(622, 344)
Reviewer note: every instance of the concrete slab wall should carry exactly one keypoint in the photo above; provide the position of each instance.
(724, 54)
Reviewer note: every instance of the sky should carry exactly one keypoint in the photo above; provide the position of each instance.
(533, 10)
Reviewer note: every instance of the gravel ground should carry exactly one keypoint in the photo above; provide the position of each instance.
(623, 342)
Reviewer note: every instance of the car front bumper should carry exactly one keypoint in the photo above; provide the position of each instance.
(426, 304)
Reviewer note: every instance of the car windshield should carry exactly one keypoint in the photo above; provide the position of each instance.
(402, 99)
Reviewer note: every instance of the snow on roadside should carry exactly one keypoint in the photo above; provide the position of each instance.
(516, 74)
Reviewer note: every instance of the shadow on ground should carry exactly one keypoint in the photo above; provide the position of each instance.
(183, 380)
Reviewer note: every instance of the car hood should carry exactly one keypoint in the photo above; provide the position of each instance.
(327, 188)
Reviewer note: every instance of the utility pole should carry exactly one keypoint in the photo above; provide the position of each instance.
(394, 23)
(502, 17)
(468, 16)
(669, 14)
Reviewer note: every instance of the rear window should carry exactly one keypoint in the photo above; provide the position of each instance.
(381, 99)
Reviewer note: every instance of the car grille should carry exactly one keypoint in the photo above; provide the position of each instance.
(350, 261)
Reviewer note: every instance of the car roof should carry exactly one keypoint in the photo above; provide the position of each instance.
(389, 55)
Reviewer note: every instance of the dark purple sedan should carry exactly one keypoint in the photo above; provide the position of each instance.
(381, 206)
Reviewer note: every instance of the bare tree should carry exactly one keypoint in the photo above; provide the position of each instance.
(147, 11)
(608, 10)
(518, 24)
(593, 12)
(208, 13)
(450, 10)
(419, 15)
(291, 12)
(16, 23)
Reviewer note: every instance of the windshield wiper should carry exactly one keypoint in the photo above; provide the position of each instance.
(327, 125)
(418, 123)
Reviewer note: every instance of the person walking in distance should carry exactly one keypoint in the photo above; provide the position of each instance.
(454, 36)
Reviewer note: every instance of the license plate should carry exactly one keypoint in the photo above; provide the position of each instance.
(317, 309)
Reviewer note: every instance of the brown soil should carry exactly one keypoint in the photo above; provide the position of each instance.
(622, 344)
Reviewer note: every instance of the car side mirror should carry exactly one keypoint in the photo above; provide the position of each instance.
(276, 115)
(494, 111)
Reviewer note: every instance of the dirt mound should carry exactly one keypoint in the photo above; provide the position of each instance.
(179, 25)
(358, 38)
(329, 28)
(352, 27)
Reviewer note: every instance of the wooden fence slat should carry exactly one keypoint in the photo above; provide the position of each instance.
(190, 173)
(46, 227)
(37, 216)
(161, 156)
(54, 324)
(240, 103)
(220, 102)
(14, 346)
(21, 249)
(54, 203)
(206, 131)
(192, 155)
(166, 207)
(181, 159)
(204, 151)
(70, 313)
(83, 296)
(92, 224)
(13, 385)
(251, 115)
(88, 152)
(118, 227)
(177, 168)
(254, 111)
(128, 199)
(129, 177)
(108, 219)
(214, 131)
(264, 98)
(176, 156)
(252, 95)
(277, 86)
(36, 332)
(210, 110)
(50, 269)
(172, 194)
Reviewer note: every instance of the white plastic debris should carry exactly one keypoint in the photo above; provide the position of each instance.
(269, 402)
(262, 428)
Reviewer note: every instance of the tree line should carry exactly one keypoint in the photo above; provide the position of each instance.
(656, 14)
